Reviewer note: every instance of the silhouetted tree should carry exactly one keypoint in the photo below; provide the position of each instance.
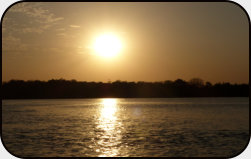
(197, 82)
(61, 88)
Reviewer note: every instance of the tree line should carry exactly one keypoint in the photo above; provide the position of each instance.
(61, 88)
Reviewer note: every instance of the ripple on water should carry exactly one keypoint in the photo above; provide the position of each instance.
(127, 128)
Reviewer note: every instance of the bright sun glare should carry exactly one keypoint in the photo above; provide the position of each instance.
(109, 109)
(107, 45)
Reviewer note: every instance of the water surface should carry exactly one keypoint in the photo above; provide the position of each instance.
(212, 127)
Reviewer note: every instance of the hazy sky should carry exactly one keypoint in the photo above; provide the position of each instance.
(161, 41)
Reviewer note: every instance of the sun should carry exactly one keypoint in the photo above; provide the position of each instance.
(107, 45)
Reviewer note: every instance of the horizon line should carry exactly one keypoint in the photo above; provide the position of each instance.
(110, 81)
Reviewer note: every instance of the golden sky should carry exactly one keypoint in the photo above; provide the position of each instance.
(160, 41)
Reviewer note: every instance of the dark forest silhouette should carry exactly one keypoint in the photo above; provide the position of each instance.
(60, 88)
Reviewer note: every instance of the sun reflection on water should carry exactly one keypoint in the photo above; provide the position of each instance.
(109, 136)
(108, 110)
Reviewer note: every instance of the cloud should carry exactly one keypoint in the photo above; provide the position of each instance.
(23, 18)
(61, 34)
(12, 44)
(33, 18)
(36, 11)
(74, 26)
(61, 29)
